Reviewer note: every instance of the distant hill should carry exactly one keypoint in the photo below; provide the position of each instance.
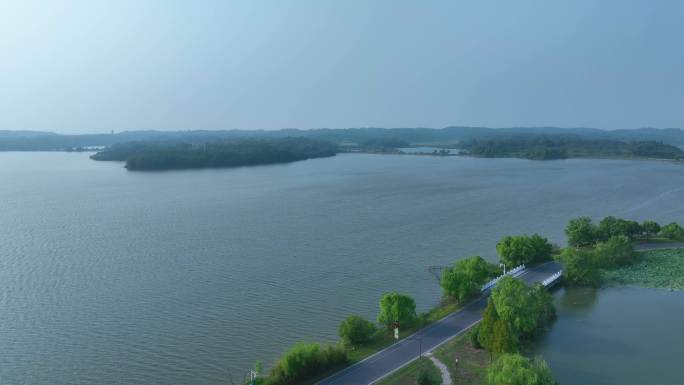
(47, 141)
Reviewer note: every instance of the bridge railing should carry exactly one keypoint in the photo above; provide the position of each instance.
(552, 279)
(513, 272)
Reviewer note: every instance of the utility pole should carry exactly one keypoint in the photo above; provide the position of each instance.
(420, 347)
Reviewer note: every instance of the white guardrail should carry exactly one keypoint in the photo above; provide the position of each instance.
(513, 272)
(552, 278)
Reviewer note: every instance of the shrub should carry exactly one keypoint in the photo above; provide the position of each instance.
(355, 330)
(304, 361)
(423, 378)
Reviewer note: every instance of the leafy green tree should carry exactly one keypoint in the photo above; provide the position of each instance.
(398, 309)
(514, 313)
(541, 305)
(581, 232)
(466, 277)
(651, 228)
(356, 330)
(512, 300)
(616, 251)
(634, 229)
(456, 284)
(514, 369)
(579, 267)
(504, 339)
(543, 249)
(612, 227)
(672, 231)
(495, 334)
(485, 329)
(514, 251)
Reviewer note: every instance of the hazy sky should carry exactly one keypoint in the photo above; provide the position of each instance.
(94, 66)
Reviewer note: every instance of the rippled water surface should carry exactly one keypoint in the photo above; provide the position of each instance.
(186, 277)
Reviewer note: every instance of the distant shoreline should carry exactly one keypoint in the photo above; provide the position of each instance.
(368, 152)
(678, 161)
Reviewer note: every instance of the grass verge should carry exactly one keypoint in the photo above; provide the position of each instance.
(408, 374)
(466, 364)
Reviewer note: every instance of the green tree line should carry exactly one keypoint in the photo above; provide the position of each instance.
(583, 232)
(546, 147)
(607, 245)
(160, 156)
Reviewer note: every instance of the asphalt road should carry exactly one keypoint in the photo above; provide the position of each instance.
(401, 353)
(656, 246)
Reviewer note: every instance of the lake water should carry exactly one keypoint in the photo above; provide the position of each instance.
(625, 336)
(186, 277)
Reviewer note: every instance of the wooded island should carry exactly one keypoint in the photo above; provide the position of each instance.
(247, 152)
